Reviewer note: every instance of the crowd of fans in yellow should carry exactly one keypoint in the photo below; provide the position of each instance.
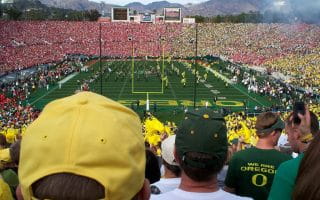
(241, 127)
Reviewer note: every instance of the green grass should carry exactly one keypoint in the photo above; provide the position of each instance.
(170, 101)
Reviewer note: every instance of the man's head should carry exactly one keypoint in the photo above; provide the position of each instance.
(168, 160)
(294, 134)
(83, 145)
(201, 144)
(269, 127)
(152, 172)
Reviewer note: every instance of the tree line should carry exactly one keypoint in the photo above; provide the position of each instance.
(35, 10)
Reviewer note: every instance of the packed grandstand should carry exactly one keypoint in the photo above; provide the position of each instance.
(289, 53)
(292, 49)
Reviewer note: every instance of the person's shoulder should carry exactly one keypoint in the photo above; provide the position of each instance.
(240, 156)
(229, 196)
(282, 156)
(292, 163)
(179, 194)
(243, 153)
(165, 185)
(164, 196)
(155, 189)
(283, 183)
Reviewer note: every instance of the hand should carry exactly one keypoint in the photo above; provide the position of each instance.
(240, 140)
(305, 124)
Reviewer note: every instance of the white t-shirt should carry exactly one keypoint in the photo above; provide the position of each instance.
(167, 184)
(283, 139)
(179, 194)
(222, 176)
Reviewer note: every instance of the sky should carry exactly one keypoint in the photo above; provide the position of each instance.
(124, 2)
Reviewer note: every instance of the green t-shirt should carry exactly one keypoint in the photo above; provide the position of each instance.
(284, 180)
(251, 171)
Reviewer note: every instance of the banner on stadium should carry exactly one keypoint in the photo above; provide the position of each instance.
(120, 14)
(159, 19)
(146, 17)
(189, 20)
(172, 14)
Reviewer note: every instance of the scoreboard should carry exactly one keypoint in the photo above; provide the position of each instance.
(172, 14)
(120, 14)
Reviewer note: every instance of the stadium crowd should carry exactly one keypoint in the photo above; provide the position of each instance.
(21, 41)
(289, 49)
(286, 48)
(301, 69)
(51, 41)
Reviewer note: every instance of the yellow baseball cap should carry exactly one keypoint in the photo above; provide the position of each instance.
(5, 155)
(88, 135)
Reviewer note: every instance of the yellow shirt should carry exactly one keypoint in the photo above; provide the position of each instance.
(5, 192)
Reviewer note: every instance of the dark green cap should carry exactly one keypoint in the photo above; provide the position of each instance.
(279, 124)
(202, 131)
(10, 177)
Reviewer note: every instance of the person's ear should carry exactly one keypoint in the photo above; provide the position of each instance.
(19, 193)
(176, 157)
(275, 133)
(145, 192)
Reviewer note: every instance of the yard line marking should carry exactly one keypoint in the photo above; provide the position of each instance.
(121, 91)
(54, 88)
(172, 91)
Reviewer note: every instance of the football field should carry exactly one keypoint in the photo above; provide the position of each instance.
(167, 84)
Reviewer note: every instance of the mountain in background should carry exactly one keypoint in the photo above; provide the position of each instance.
(303, 9)
(106, 8)
(28, 4)
(154, 7)
(139, 7)
(233, 7)
(78, 5)
(218, 7)
(208, 8)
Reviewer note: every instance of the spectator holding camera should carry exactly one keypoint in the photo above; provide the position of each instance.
(291, 175)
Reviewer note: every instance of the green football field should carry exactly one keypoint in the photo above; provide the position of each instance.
(131, 81)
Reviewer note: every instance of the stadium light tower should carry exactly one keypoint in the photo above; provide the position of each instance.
(100, 52)
(161, 40)
(161, 49)
(195, 41)
(130, 39)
